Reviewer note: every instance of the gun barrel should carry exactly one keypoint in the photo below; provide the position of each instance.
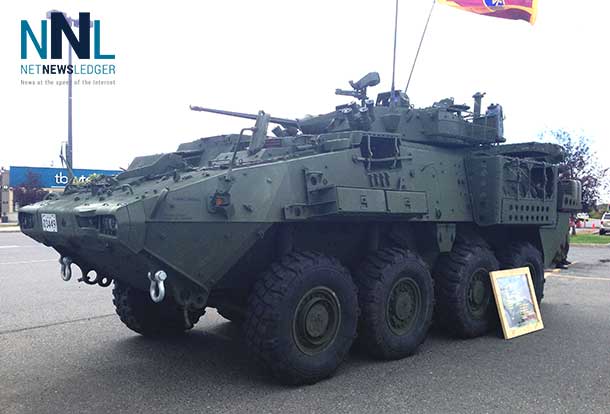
(346, 93)
(281, 121)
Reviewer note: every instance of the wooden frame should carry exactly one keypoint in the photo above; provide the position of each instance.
(516, 301)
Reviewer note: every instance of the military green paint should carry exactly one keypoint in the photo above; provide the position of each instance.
(208, 213)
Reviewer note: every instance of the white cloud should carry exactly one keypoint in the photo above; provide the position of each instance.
(287, 58)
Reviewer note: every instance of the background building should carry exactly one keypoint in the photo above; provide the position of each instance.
(48, 179)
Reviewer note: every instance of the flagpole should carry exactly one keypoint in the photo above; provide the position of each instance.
(420, 43)
(392, 100)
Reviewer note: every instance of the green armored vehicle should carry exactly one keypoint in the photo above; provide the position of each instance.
(363, 224)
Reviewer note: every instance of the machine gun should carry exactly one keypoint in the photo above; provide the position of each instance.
(359, 92)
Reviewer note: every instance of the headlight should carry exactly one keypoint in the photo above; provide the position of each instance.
(109, 225)
(26, 220)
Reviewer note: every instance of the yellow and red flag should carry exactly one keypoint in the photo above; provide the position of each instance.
(505, 9)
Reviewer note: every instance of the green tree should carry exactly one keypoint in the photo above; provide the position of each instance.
(30, 191)
(580, 164)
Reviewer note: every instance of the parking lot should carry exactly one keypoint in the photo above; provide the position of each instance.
(62, 349)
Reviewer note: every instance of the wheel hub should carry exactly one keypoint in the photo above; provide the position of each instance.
(479, 293)
(316, 320)
(404, 306)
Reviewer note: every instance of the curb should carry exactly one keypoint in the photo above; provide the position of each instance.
(10, 229)
(590, 244)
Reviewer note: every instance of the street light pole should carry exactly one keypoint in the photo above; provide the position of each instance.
(76, 23)
(69, 146)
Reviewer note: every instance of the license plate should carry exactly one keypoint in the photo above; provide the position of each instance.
(49, 222)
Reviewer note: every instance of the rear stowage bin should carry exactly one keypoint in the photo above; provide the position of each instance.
(506, 190)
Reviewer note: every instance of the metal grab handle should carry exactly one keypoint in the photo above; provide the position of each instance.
(127, 187)
(157, 285)
(51, 196)
(66, 269)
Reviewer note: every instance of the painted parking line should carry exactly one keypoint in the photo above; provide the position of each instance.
(28, 262)
(20, 247)
(29, 328)
(605, 279)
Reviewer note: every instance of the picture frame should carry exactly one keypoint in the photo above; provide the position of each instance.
(516, 302)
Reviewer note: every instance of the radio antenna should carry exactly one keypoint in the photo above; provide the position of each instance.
(392, 98)
(420, 43)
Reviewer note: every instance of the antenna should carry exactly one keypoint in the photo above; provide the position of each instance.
(66, 162)
(392, 100)
(420, 43)
(69, 167)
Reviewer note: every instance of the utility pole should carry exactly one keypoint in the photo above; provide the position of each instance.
(69, 146)
(75, 23)
(4, 196)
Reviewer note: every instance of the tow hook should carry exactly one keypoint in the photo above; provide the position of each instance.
(157, 286)
(103, 281)
(66, 269)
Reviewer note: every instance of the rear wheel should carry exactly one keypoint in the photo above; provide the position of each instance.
(302, 316)
(524, 254)
(140, 314)
(396, 296)
(465, 303)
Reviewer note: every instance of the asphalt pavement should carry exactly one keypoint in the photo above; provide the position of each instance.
(63, 350)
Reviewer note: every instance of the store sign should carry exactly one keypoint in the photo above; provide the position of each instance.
(49, 177)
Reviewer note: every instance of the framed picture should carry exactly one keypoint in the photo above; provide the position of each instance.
(516, 302)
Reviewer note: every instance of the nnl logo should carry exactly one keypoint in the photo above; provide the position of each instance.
(59, 25)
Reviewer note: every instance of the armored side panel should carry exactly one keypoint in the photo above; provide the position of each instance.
(514, 191)
(447, 126)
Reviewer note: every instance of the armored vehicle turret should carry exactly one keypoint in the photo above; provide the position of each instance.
(355, 225)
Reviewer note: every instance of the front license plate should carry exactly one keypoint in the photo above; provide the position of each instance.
(49, 222)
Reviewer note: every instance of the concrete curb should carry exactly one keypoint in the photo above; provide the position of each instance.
(589, 245)
(9, 229)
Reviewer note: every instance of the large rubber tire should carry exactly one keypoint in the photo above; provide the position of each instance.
(524, 254)
(302, 317)
(396, 296)
(465, 304)
(140, 314)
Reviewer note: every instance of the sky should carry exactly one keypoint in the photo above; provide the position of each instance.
(287, 58)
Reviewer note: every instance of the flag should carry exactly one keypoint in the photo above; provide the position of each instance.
(505, 9)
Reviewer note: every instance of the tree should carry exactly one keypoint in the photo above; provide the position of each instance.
(30, 191)
(581, 164)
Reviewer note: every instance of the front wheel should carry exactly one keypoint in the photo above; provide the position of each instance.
(301, 317)
(140, 314)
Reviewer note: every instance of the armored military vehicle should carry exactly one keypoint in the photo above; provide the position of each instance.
(355, 225)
